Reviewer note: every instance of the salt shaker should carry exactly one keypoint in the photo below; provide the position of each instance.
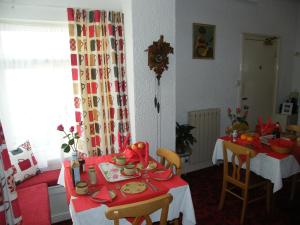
(234, 135)
(92, 175)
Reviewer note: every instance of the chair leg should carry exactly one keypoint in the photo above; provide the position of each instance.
(245, 201)
(176, 221)
(223, 195)
(268, 199)
(294, 180)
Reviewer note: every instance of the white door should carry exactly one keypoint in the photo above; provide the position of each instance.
(259, 76)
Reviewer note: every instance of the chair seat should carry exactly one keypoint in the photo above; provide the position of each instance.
(34, 205)
(49, 177)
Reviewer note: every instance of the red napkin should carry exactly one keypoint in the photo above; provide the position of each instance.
(161, 174)
(103, 194)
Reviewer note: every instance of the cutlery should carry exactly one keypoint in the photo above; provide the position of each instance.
(118, 187)
(153, 187)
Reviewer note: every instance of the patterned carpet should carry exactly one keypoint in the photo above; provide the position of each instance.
(205, 186)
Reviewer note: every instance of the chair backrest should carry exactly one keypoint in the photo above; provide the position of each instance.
(293, 128)
(170, 159)
(233, 172)
(141, 210)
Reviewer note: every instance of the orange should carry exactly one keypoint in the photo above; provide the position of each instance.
(133, 147)
(243, 137)
(141, 145)
(249, 138)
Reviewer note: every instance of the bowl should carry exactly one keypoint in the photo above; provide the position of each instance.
(129, 169)
(120, 160)
(280, 149)
(281, 145)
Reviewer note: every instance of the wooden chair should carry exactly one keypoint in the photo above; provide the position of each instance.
(294, 129)
(141, 209)
(170, 159)
(237, 178)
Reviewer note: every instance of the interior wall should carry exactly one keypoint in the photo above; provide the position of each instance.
(214, 83)
(150, 19)
(296, 68)
(145, 21)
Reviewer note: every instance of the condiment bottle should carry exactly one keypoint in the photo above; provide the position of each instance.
(82, 165)
(75, 171)
(92, 175)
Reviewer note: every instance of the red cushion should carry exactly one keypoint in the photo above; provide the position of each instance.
(34, 205)
(49, 177)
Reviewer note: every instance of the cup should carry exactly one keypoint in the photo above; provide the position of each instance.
(129, 169)
(121, 160)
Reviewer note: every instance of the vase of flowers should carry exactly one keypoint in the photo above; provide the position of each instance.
(72, 140)
(238, 121)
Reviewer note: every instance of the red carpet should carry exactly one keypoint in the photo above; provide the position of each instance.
(205, 186)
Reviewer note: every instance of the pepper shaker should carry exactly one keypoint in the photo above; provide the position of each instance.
(92, 175)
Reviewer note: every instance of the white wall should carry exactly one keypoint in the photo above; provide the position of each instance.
(296, 68)
(150, 19)
(212, 83)
(145, 21)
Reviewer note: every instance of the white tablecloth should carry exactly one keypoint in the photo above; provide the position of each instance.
(266, 166)
(182, 202)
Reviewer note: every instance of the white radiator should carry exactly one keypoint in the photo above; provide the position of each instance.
(207, 131)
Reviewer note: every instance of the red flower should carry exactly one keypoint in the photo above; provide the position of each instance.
(60, 127)
(72, 129)
(229, 110)
(238, 110)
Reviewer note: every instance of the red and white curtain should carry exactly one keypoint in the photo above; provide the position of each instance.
(99, 78)
(10, 213)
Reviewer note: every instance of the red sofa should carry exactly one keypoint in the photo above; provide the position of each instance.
(34, 199)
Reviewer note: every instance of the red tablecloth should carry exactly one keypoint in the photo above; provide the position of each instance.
(84, 202)
(262, 148)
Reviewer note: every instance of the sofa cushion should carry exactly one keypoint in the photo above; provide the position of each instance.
(49, 177)
(34, 205)
(24, 162)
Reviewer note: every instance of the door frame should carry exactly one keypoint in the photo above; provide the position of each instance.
(275, 91)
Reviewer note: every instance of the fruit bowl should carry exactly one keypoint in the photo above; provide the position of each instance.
(281, 145)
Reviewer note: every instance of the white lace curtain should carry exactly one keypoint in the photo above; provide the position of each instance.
(35, 87)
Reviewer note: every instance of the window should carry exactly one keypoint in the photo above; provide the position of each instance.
(35, 87)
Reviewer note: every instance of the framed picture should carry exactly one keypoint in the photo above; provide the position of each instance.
(287, 108)
(203, 41)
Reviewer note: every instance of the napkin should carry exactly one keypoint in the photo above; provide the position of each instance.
(165, 174)
(103, 195)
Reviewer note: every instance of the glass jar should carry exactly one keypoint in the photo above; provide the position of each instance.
(92, 175)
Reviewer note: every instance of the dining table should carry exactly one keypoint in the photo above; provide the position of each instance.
(84, 210)
(271, 165)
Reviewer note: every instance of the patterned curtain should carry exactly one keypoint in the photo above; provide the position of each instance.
(99, 79)
(9, 206)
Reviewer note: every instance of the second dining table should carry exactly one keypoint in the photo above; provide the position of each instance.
(266, 163)
(85, 211)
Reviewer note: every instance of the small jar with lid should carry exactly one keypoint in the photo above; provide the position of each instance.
(92, 175)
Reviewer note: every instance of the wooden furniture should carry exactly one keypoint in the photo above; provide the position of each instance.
(235, 177)
(141, 209)
(170, 159)
(295, 129)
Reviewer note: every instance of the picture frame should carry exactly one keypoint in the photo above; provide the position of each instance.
(287, 108)
(203, 41)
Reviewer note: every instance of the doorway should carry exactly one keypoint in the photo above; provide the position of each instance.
(259, 76)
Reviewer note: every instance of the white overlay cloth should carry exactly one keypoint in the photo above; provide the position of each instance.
(266, 166)
(182, 202)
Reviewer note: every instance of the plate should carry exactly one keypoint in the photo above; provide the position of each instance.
(151, 165)
(137, 174)
(161, 179)
(134, 187)
(111, 193)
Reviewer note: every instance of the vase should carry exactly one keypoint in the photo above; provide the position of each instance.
(74, 156)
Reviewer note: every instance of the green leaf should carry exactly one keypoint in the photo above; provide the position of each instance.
(71, 141)
(67, 149)
(63, 146)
